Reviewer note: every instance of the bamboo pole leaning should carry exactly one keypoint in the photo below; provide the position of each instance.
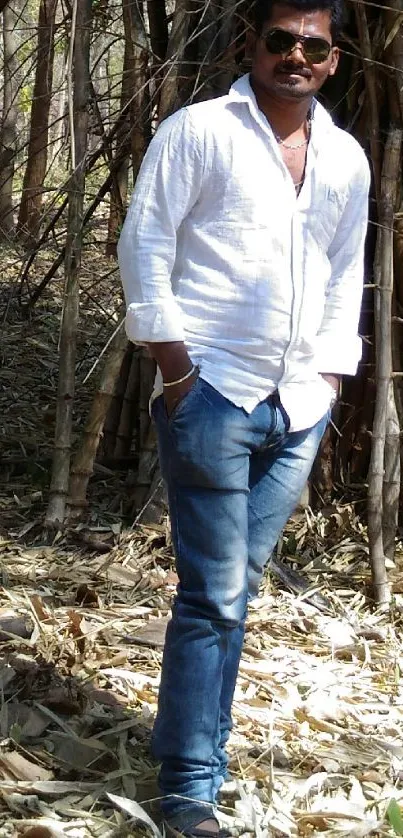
(378, 499)
(83, 463)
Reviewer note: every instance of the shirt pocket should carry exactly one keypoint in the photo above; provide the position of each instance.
(252, 250)
(321, 219)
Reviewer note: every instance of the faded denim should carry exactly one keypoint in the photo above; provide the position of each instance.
(233, 480)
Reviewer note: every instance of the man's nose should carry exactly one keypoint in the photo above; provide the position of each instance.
(297, 52)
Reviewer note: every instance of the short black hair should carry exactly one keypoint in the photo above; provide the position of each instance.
(263, 10)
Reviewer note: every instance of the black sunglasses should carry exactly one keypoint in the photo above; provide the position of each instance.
(279, 41)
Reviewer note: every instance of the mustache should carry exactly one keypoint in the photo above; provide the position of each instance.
(290, 67)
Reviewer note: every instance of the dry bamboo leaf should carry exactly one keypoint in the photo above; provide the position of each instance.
(77, 753)
(128, 783)
(288, 767)
(50, 787)
(105, 697)
(123, 576)
(40, 611)
(40, 832)
(138, 680)
(34, 725)
(21, 722)
(87, 597)
(7, 674)
(135, 811)
(152, 634)
(76, 629)
(394, 30)
(51, 828)
(14, 765)
(14, 625)
(22, 804)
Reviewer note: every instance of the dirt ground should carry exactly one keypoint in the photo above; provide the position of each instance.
(317, 743)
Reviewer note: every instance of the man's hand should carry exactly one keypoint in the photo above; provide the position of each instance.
(174, 395)
(174, 362)
(333, 380)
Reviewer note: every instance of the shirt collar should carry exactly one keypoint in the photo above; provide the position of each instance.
(241, 91)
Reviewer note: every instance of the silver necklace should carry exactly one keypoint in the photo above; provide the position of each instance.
(298, 145)
(289, 145)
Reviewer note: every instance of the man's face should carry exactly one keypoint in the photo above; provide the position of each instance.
(292, 75)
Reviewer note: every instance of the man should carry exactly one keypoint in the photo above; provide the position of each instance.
(242, 260)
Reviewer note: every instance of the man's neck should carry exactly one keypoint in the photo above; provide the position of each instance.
(285, 116)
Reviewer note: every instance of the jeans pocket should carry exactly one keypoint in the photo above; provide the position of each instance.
(182, 403)
(285, 417)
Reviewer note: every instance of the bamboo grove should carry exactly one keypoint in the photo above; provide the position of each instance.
(84, 85)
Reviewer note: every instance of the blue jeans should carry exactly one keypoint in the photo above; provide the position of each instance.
(233, 480)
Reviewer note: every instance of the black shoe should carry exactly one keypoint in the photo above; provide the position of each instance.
(169, 831)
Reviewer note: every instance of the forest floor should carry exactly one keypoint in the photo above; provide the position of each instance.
(317, 746)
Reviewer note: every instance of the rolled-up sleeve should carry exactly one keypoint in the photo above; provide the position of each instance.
(166, 189)
(339, 346)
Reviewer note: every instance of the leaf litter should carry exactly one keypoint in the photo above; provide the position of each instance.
(317, 746)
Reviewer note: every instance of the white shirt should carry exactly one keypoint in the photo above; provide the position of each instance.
(264, 287)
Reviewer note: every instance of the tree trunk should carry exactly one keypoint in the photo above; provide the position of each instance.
(225, 47)
(175, 53)
(131, 135)
(212, 73)
(157, 17)
(80, 49)
(158, 22)
(8, 133)
(29, 218)
(138, 42)
(383, 341)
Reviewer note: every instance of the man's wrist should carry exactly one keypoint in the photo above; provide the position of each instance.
(191, 372)
(172, 359)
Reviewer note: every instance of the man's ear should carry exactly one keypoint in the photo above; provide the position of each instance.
(335, 60)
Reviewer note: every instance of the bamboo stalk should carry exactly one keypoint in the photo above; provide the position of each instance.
(83, 463)
(112, 420)
(394, 52)
(370, 75)
(391, 482)
(148, 477)
(118, 193)
(59, 487)
(383, 370)
(129, 410)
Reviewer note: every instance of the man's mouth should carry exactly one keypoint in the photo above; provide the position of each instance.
(292, 71)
